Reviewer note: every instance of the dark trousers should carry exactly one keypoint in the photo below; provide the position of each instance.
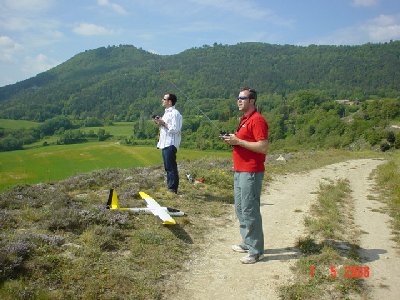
(170, 166)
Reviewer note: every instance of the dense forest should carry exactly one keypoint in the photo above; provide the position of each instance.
(300, 89)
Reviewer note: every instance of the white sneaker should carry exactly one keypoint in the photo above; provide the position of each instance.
(239, 248)
(251, 258)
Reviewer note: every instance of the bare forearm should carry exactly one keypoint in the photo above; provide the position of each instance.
(259, 147)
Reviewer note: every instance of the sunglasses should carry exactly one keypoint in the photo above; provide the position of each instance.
(242, 98)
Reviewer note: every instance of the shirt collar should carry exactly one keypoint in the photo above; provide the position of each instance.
(248, 115)
(170, 108)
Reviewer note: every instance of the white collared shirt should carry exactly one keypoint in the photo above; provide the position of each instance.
(171, 135)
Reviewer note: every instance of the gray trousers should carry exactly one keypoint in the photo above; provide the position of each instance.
(247, 192)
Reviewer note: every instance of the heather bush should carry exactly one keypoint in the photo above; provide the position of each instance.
(13, 255)
(7, 219)
(99, 215)
(35, 196)
(65, 219)
(109, 237)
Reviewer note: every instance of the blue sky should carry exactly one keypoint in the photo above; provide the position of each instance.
(36, 35)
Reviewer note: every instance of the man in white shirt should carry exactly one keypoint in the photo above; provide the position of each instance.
(170, 138)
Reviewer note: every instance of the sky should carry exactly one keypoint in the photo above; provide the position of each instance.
(37, 35)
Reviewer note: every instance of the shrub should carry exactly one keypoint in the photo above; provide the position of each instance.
(65, 219)
(10, 143)
(12, 257)
(33, 196)
(384, 147)
(7, 220)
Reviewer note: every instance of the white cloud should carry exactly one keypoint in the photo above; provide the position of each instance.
(8, 49)
(23, 15)
(31, 26)
(16, 23)
(115, 7)
(23, 67)
(380, 29)
(91, 29)
(364, 3)
(45, 38)
(383, 28)
(246, 9)
(38, 64)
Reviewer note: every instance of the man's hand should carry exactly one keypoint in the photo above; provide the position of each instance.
(230, 139)
(259, 146)
(160, 122)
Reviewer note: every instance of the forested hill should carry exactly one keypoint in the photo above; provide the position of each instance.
(120, 82)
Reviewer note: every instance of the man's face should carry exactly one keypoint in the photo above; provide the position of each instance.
(243, 102)
(164, 101)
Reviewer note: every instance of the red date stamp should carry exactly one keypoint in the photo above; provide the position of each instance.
(350, 271)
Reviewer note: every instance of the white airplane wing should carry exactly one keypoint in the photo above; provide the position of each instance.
(157, 209)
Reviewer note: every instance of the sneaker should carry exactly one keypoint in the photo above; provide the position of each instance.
(239, 248)
(251, 258)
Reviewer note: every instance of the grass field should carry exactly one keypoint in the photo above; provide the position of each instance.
(46, 164)
(17, 124)
(116, 130)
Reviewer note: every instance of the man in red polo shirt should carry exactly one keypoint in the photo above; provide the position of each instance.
(250, 143)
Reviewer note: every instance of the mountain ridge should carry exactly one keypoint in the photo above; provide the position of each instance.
(115, 77)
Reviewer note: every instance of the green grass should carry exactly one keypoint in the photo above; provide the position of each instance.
(17, 124)
(388, 184)
(329, 251)
(331, 201)
(46, 164)
(116, 130)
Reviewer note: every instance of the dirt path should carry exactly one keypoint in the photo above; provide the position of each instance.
(218, 274)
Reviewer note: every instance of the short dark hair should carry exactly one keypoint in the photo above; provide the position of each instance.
(252, 92)
(173, 98)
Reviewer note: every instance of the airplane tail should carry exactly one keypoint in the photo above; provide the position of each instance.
(112, 202)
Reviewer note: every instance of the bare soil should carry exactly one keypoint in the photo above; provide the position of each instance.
(216, 272)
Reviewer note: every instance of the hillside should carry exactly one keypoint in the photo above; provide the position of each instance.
(114, 82)
(59, 242)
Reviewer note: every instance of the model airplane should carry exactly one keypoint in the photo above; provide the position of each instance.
(164, 213)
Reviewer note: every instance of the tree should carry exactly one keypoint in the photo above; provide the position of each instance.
(49, 127)
(10, 143)
(102, 134)
(391, 138)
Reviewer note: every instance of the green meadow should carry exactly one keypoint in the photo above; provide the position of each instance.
(17, 124)
(47, 164)
(116, 130)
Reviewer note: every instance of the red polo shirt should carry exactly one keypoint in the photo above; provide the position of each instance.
(253, 127)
